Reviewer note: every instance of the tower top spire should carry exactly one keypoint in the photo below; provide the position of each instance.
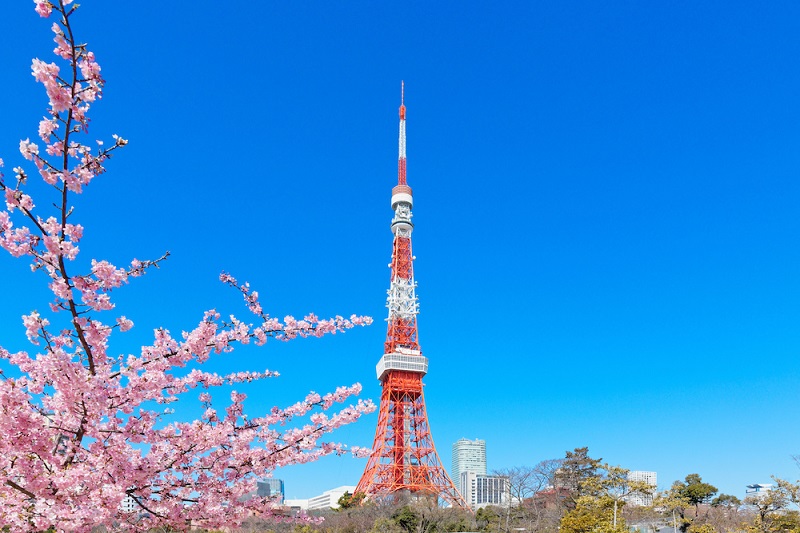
(402, 100)
(401, 160)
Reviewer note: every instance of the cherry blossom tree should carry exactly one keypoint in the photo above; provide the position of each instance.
(84, 429)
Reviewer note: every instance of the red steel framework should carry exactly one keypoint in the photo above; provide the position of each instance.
(404, 460)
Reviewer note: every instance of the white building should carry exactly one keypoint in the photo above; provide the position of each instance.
(481, 490)
(128, 505)
(651, 478)
(296, 504)
(758, 490)
(468, 456)
(329, 498)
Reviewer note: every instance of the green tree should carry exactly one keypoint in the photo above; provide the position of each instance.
(348, 501)
(614, 484)
(768, 505)
(790, 490)
(592, 514)
(695, 490)
(605, 489)
(488, 519)
(726, 500)
(386, 525)
(406, 518)
(454, 523)
(702, 528)
(674, 505)
(786, 522)
(725, 515)
(577, 475)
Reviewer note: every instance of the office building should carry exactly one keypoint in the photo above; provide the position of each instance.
(468, 456)
(480, 490)
(271, 488)
(642, 498)
(296, 504)
(329, 499)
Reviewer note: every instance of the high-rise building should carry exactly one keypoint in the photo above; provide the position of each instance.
(639, 498)
(404, 459)
(481, 490)
(272, 488)
(468, 456)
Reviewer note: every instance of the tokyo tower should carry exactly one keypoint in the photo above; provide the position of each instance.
(404, 460)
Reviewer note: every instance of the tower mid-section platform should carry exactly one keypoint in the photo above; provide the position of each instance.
(403, 359)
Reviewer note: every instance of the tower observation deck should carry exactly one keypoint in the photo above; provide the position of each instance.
(404, 460)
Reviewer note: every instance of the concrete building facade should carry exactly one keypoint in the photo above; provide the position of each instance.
(329, 499)
(757, 490)
(481, 490)
(651, 478)
(468, 456)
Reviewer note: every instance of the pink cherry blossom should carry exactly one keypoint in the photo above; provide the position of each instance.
(62, 49)
(124, 323)
(46, 128)
(44, 72)
(60, 97)
(28, 149)
(43, 8)
(84, 427)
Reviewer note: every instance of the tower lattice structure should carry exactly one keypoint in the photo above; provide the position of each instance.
(404, 459)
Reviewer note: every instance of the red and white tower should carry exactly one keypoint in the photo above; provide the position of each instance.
(404, 459)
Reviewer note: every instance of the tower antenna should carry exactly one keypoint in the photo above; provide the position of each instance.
(401, 157)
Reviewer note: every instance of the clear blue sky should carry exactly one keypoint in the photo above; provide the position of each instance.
(605, 203)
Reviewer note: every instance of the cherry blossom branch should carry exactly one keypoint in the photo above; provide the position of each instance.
(81, 432)
(24, 491)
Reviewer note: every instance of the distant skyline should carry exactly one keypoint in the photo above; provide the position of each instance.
(606, 221)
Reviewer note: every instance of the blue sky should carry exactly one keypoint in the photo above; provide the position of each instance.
(605, 208)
